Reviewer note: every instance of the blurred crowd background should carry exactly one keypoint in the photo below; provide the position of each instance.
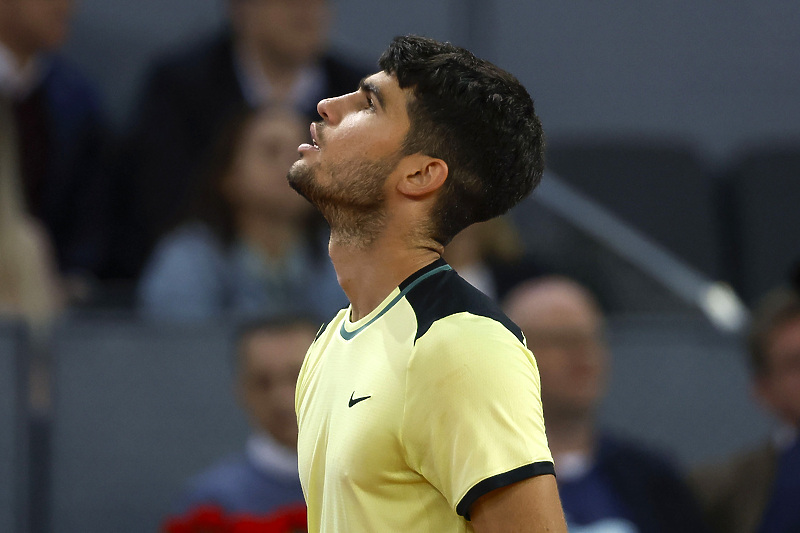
(145, 217)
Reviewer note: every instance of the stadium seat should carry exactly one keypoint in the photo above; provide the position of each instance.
(139, 409)
(764, 194)
(659, 187)
(682, 387)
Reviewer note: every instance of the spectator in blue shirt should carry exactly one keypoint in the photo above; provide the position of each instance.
(261, 484)
(251, 246)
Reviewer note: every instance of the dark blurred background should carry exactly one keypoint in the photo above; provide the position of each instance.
(679, 120)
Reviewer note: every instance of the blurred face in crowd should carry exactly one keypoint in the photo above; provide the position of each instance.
(270, 362)
(563, 328)
(257, 178)
(779, 386)
(293, 32)
(30, 26)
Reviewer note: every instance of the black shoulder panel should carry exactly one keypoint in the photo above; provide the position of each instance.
(446, 294)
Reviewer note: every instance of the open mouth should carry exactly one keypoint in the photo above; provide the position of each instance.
(313, 146)
(313, 130)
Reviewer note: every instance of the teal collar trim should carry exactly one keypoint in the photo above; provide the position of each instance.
(347, 335)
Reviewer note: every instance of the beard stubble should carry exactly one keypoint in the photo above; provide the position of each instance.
(354, 203)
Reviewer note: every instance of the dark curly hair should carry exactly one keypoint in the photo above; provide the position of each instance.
(477, 118)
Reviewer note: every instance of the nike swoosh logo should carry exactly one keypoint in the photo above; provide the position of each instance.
(354, 401)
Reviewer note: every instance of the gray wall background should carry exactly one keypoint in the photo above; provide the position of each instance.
(720, 74)
(141, 407)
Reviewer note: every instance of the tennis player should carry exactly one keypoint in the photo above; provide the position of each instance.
(419, 404)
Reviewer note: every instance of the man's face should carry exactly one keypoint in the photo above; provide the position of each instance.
(564, 334)
(31, 26)
(779, 387)
(355, 148)
(269, 366)
(293, 32)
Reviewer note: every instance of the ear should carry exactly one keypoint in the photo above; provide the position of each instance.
(421, 175)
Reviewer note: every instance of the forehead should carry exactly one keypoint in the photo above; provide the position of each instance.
(276, 347)
(557, 309)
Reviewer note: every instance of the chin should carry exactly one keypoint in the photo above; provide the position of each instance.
(297, 167)
(299, 177)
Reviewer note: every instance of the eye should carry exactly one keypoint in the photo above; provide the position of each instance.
(370, 102)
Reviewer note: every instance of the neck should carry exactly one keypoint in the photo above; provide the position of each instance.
(575, 435)
(368, 274)
(273, 236)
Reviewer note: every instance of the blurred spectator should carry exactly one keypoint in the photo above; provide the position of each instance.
(31, 290)
(606, 483)
(758, 491)
(262, 485)
(30, 287)
(490, 255)
(250, 247)
(274, 52)
(59, 129)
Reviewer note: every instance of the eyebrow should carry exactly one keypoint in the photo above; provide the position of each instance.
(369, 87)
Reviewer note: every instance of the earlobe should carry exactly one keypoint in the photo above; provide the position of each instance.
(424, 175)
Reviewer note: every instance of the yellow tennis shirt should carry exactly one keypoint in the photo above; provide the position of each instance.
(412, 413)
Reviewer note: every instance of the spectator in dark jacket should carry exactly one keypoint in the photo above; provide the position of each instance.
(59, 132)
(251, 246)
(272, 53)
(758, 489)
(607, 484)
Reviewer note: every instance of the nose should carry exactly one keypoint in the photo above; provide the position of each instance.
(322, 108)
(333, 110)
